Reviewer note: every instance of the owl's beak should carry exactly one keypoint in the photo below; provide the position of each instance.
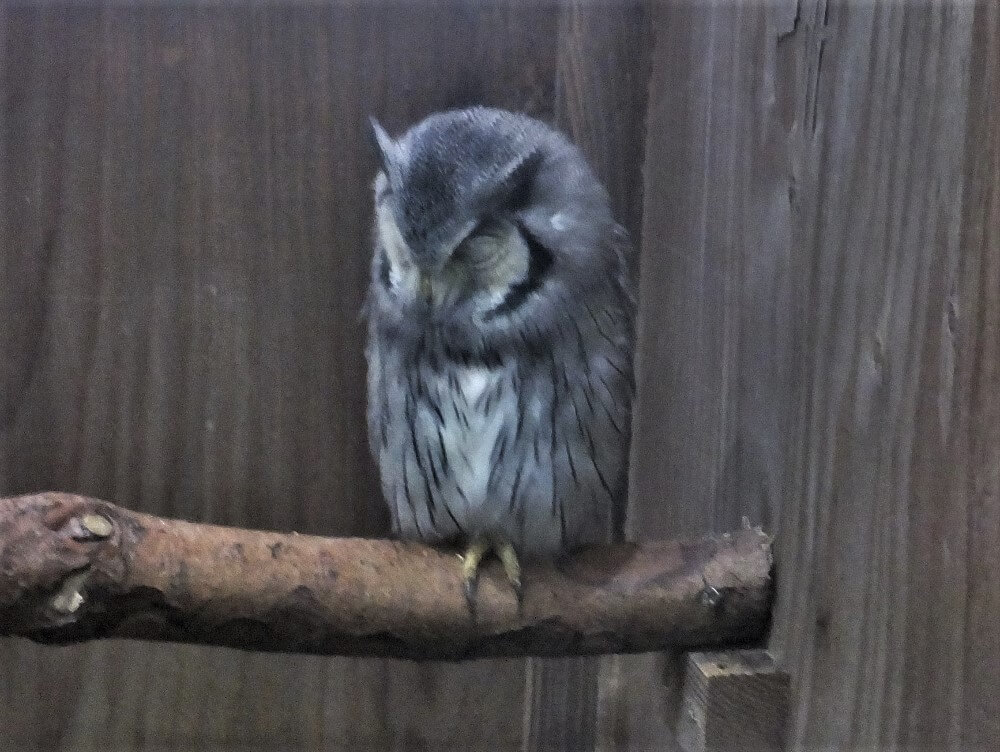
(426, 291)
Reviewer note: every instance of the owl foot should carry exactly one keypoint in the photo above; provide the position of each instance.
(512, 568)
(473, 558)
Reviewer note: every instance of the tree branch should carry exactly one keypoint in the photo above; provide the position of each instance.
(74, 568)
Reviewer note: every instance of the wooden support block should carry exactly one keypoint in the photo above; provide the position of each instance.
(733, 700)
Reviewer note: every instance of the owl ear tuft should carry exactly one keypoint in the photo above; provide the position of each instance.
(517, 176)
(388, 150)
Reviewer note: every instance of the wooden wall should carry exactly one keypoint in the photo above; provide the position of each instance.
(183, 218)
(890, 608)
(820, 343)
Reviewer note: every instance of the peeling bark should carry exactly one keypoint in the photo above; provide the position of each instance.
(74, 568)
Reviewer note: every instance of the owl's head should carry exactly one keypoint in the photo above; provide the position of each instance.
(485, 220)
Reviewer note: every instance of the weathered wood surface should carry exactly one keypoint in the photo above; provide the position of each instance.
(599, 100)
(819, 341)
(184, 219)
(819, 344)
(734, 701)
(73, 568)
(889, 616)
(715, 375)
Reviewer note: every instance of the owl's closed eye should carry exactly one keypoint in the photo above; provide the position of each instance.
(447, 243)
(500, 336)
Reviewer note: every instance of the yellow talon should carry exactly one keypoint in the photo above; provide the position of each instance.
(512, 568)
(472, 559)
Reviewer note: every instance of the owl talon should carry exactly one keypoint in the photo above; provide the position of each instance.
(471, 560)
(512, 568)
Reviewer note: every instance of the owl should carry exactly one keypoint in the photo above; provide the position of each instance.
(500, 341)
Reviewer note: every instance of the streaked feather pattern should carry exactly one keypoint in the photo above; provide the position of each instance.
(501, 409)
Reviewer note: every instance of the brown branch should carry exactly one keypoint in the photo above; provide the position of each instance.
(74, 568)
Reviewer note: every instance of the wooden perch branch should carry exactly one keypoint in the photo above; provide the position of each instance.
(74, 568)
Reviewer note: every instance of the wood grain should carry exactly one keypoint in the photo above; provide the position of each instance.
(74, 568)
(184, 225)
(733, 700)
(600, 101)
(183, 213)
(889, 532)
(715, 319)
(820, 241)
(977, 713)
(714, 327)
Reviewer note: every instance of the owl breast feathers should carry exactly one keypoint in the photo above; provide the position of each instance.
(500, 336)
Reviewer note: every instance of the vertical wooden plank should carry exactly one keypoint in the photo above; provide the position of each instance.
(716, 321)
(38, 100)
(890, 523)
(861, 370)
(602, 70)
(714, 325)
(977, 388)
(599, 101)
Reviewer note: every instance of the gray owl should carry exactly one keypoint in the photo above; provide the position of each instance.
(500, 341)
